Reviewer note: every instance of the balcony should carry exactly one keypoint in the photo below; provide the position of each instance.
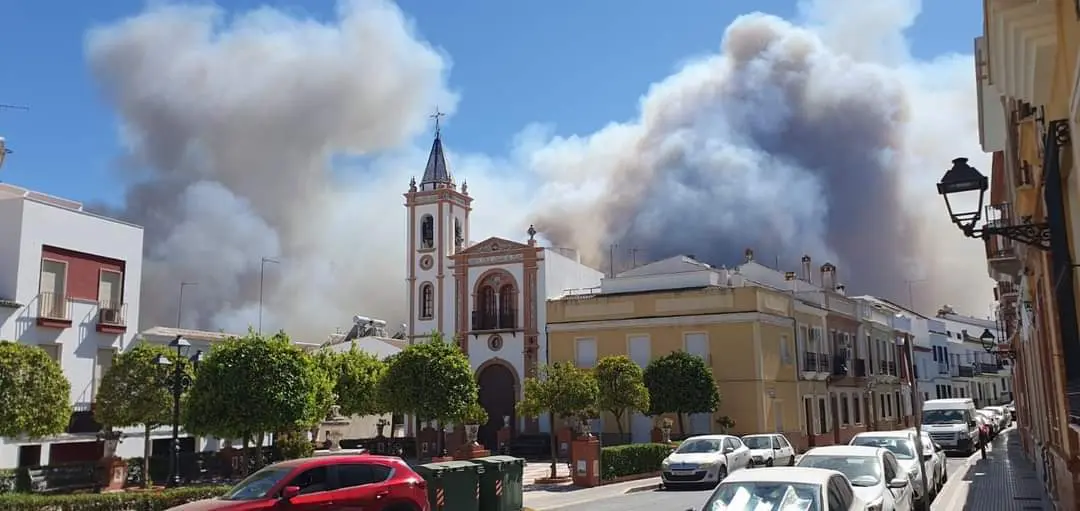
(1001, 253)
(112, 317)
(1006, 292)
(823, 362)
(505, 320)
(82, 419)
(942, 368)
(965, 372)
(892, 369)
(810, 362)
(54, 310)
(989, 368)
(839, 365)
(860, 368)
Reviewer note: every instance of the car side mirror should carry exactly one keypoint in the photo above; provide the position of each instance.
(728, 450)
(898, 483)
(289, 492)
(938, 448)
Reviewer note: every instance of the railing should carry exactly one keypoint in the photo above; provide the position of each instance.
(810, 362)
(823, 362)
(112, 313)
(989, 368)
(505, 320)
(892, 368)
(54, 306)
(839, 365)
(965, 372)
(860, 368)
(1006, 288)
(942, 368)
(83, 422)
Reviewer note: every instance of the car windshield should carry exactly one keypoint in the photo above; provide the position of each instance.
(860, 470)
(943, 417)
(699, 445)
(757, 442)
(258, 485)
(765, 496)
(902, 448)
(988, 412)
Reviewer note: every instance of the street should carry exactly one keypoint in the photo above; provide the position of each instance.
(679, 500)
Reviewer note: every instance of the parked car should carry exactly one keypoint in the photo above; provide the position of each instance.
(769, 449)
(990, 421)
(704, 460)
(873, 472)
(376, 483)
(902, 444)
(1006, 420)
(1011, 408)
(952, 423)
(774, 488)
(937, 471)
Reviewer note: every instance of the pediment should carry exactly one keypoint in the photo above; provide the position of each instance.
(493, 245)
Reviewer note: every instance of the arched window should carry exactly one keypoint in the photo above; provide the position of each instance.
(487, 312)
(427, 301)
(459, 237)
(507, 306)
(427, 232)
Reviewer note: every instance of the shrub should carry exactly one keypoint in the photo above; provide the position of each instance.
(633, 459)
(156, 500)
(291, 446)
(8, 480)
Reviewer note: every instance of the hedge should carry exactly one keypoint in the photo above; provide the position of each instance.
(150, 500)
(632, 459)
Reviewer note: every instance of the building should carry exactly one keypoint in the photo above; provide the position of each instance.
(487, 296)
(1027, 63)
(941, 368)
(981, 376)
(888, 328)
(744, 330)
(69, 284)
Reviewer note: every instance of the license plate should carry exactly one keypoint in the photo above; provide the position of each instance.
(684, 471)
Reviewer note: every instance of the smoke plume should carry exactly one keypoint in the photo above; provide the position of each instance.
(822, 138)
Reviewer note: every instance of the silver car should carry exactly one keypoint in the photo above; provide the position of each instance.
(874, 473)
(902, 444)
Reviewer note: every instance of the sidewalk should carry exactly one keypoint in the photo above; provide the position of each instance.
(1004, 481)
(555, 497)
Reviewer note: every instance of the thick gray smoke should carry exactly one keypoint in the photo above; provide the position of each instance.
(822, 138)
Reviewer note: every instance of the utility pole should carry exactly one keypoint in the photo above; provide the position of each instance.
(180, 304)
(262, 276)
(611, 258)
(916, 407)
(633, 257)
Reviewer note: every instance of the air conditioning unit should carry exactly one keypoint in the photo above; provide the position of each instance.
(109, 316)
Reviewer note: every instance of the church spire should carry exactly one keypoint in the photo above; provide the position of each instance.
(436, 174)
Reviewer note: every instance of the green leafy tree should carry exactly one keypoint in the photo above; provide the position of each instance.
(355, 375)
(251, 385)
(561, 390)
(622, 388)
(681, 383)
(431, 380)
(133, 393)
(35, 397)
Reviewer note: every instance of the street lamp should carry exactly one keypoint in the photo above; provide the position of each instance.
(963, 180)
(177, 380)
(989, 343)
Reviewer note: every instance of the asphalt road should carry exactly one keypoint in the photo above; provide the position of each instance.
(679, 500)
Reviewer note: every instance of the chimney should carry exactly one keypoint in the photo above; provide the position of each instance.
(806, 269)
(841, 290)
(749, 254)
(828, 276)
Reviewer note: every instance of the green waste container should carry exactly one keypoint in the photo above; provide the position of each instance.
(452, 485)
(501, 483)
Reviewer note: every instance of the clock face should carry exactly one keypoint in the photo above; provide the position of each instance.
(426, 262)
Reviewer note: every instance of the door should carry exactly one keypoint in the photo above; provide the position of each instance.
(808, 419)
(315, 491)
(786, 450)
(52, 289)
(361, 486)
(109, 286)
(496, 384)
(698, 344)
(640, 425)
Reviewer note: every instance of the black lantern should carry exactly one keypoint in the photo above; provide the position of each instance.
(963, 180)
(177, 380)
(989, 342)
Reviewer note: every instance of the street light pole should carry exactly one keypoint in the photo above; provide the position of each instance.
(262, 276)
(177, 380)
(180, 304)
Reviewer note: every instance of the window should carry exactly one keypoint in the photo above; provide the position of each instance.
(507, 309)
(360, 474)
(823, 419)
(892, 467)
(785, 350)
(585, 352)
(311, 481)
(845, 419)
(856, 412)
(840, 497)
(110, 289)
(53, 289)
(53, 350)
(881, 397)
(459, 237)
(427, 232)
(427, 301)
(101, 366)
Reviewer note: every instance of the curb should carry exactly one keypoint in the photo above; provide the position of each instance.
(642, 488)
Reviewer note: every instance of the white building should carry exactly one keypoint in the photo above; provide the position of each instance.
(979, 375)
(69, 283)
(489, 296)
(940, 369)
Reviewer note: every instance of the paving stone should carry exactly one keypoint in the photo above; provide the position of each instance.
(1005, 481)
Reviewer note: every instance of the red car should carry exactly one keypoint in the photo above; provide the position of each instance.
(326, 483)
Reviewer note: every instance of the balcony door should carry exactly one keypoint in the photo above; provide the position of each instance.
(110, 283)
(698, 344)
(640, 424)
(53, 288)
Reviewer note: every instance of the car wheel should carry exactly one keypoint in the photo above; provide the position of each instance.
(721, 474)
(769, 462)
(791, 461)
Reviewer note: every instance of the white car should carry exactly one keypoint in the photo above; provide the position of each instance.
(1002, 416)
(937, 472)
(874, 473)
(770, 449)
(705, 459)
(784, 488)
(902, 444)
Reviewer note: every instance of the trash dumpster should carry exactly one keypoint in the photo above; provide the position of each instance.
(452, 485)
(501, 483)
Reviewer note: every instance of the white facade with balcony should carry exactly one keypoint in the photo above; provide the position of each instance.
(39, 305)
(979, 375)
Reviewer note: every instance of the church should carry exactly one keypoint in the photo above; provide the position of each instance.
(490, 296)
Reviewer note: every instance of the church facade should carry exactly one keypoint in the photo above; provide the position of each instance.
(489, 297)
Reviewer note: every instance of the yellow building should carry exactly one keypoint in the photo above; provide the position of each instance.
(745, 332)
(1028, 106)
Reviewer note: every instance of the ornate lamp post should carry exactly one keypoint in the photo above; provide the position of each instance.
(963, 180)
(989, 343)
(177, 381)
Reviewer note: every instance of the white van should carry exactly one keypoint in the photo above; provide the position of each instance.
(952, 423)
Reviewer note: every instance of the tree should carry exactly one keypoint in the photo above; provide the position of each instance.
(681, 383)
(562, 390)
(431, 381)
(355, 375)
(252, 385)
(622, 388)
(35, 397)
(133, 392)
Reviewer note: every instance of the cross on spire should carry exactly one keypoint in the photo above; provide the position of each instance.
(436, 116)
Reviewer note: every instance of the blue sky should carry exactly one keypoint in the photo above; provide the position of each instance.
(577, 65)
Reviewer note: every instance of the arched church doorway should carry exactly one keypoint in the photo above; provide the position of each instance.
(498, 395)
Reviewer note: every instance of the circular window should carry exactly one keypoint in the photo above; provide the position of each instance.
(426, 262)
(495, 343)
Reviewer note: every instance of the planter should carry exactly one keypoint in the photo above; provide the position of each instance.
(471, 431)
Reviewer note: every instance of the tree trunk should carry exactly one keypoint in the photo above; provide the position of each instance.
(618, 422)
(682, 427)
(416, 435)
(246, 454)
(259, 449)
(147, 450)
(554, 446)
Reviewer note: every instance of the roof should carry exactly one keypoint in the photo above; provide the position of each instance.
(316, 461)
(804, 475)
(843, 450)
(675, 264)
(436, 172)
(197, 335)
(708, 437)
